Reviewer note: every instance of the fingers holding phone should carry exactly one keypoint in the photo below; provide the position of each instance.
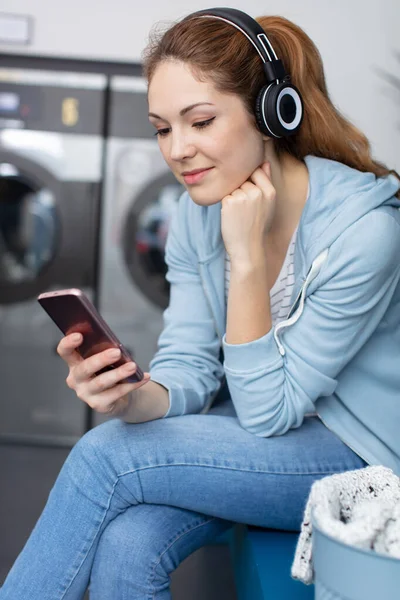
(95, 380)
(67, 349)
(101, 370)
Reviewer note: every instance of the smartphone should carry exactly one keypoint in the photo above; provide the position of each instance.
(73, 312)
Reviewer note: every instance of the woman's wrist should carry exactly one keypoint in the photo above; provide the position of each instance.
(246, 266)
(248, 313)
(149, 402)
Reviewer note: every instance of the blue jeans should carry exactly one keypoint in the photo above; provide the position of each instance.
(132, 501)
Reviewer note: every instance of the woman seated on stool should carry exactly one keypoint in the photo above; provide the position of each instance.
(283, 261)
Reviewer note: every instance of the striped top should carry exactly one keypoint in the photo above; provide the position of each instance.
(281, 291)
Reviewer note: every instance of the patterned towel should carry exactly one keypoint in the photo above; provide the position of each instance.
(360, 508)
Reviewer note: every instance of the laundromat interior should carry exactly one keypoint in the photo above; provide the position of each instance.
(86, 199)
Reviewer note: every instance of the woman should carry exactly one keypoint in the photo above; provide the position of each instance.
(284, 272)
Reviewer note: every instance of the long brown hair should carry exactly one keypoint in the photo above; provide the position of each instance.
(218, 52)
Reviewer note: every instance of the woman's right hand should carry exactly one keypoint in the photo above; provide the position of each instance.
(104, 393)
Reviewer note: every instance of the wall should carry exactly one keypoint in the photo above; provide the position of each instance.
(357, 39)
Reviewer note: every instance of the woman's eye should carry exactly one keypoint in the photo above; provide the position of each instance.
(198, 125)
(161, 132)
(202, 124)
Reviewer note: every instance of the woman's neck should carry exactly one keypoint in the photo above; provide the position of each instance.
(290, 179)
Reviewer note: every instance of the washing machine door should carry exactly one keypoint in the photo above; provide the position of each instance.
(29, 227)
(145, 234)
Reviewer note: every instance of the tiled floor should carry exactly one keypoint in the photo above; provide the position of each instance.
(26, 476)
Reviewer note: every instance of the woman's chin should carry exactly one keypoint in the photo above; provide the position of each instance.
(201, 197)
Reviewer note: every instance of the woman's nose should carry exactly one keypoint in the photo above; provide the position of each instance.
(181, 147)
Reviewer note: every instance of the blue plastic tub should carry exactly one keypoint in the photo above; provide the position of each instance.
(343, 572)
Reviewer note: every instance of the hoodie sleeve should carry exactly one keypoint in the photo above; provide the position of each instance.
(349, 297)
(187, 360)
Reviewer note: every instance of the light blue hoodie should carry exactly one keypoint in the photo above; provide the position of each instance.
(338, 351)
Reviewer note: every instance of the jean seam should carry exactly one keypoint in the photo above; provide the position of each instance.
(78, 568)
(176, 539)
(187, 464)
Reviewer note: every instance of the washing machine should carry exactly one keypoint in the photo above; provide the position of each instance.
(51, 160)
(140, 198)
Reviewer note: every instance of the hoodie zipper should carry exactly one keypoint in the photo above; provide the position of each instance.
(293, 317)
(290, 320)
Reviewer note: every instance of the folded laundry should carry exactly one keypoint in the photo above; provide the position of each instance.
(360, 508)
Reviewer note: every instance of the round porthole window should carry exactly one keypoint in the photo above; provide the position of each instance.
(28, 226)
(145, 235)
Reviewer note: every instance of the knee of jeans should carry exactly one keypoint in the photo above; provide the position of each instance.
(96, 444)
(121, 538)
(135, 541)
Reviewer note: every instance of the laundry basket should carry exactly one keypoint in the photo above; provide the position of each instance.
(343, 572)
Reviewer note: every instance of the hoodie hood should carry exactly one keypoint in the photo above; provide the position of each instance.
(339, 196)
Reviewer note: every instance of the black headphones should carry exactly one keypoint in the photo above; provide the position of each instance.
(279, 107)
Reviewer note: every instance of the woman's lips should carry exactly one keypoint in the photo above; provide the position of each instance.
(196, 177)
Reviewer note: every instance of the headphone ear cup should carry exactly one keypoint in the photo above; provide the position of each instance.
(279, 110)
(258, 110)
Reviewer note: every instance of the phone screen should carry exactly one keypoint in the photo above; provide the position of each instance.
(72, 316)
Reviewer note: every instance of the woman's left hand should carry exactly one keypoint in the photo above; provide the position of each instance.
(246, 217)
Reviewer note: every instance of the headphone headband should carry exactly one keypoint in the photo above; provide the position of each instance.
(273, 66)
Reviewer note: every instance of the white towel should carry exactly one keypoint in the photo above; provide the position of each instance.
(360, 508)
